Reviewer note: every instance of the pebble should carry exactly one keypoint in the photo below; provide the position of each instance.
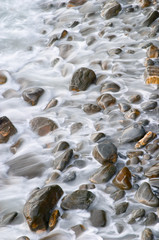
(151, 219)
(132, 133)
(121, 208)
(7, 129)
(16, 145)
(98, 218)
(106, 100)
(123, 179)
(53, 102)
(91, 108)
(134, 98)
(117, 195)
(110, 9)
(95, 137)
(153, 171)
(3, 77)
(75, 127)
(78, 229)
(150, 105)
(124, 107)
(147, 234)
(136, 214)
(63, 160)
(110, 87)
(32, 95)
(8, 218)
(61, 146)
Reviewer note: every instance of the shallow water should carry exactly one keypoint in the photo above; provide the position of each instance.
(26, 29)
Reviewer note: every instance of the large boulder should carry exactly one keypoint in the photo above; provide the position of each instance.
(39, 207)
(7, 129)
(82, 79)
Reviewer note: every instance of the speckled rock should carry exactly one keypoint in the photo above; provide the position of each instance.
(106, 100)
(132, 133)
(123, 179)
(80, 199)
(62, 161)
(121, 208)
(147, 234)
(91, 108)
(7, 129)
(110, 9)
(98, 218)
(145, 195)
(32, 95)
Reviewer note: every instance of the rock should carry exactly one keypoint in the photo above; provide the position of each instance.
(42, 125)
(110, 87)
(151, 148)
(114, 51)
(7, 129)
(3, 77)
(117, 195)
(82, 79)
(121, 208)
(23, 238)
(8, 218)
(65, 50)
(136, 214)
(79, 163)
(131, 154)
(145, 3)
(153, 15)
(86, 186)
(154, 31)
(154, 96)
(11, 93)
(75, 127)
(95, 137)
(70, 176)
(147, 234)
(32, 95)
(119, 227)
(53, 177)
(103, 174)
(123, 179)
(38, 208)
(62, 161)
(53, 102)
(151, 219)
(134, 98)
(78, 229)
(133, 113)
(153, 171)
(145, 195)
(61, 146)
(90, 40)
(147, 138)
(80, 199)
(16, 145)
(151, 75)
(124, 107)
(106, 100)
(110, 9)
(91, 108)
(133, 160)
(53, 219)
(98, 218)
(152, 52)
(146, 106)
(75, 3)
(132, 133)
(105, 152)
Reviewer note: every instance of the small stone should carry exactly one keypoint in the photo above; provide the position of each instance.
(54, 176)
(69, 176)
(151, 75)
(11, 93)
(151, 18)
(151, 219)
(91, 108)
(133, 113)
(147, 138)
(7, 129)
(132, 154)
(110, 9)
(53, 219)
(78, 229)
(105, 152)
(134, 160)
(124, 107)
(8, 218)
(110, 87)
(103, 174)
(146, 106)
(87, 186)
(134, 98)
(106, 100)
(63, 160)
(145, 3)
(79, 163)
(16, 146)
(151, 148)
(121, 208)
(75, 127)
(64, 34)
(147, 234)
(95, 137)
(23, 238)
(3, 77)
(132, 133)
(153, 171)
(90, 40)
(119, 227)
(154, 96)
(82, 79)
(65, 50)
(75, 3)
(136, 214)
(61, 146)
(152, 52)
(53, 102)
(114, 51)
(117, 195)
(80, 199)
(98, 218)
(32, 95)
(42, 125)
(139, 169)
(145, 195)
(123, 179)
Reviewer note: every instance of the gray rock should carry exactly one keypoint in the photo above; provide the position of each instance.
(8, 218)
(124, 107)
(133, 113)
(117, 195)
(80, 199)
(53, 102)
(61, 146)
(151, 219)
(95, 137)
(132, 133)
(69, 176)
(98, 218)
(114, 51)
(65, 50)
(145, 195)
(151, 18)
(153, 171)
(136, 214)
(105, 152)
(110, 9)
(62, 161)
(91, 108)
(110, 87)
(90, 40)
(147, 234)
(134, 98)
(150, 105)
(32, 95)
(121, 208)
(75, 127)
(82, 79)
(106, 100)
(78, 229)
(103, 174)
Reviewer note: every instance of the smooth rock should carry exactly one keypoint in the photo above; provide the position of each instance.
(146, 106)
(8, 218)
(152, 52)
(3, 77)
(124, 107)
(114, 51)
(123, 179)
(53, 102)
(133, 113)
(7, 129)
(42, 125)
(95, 137)
(145, 3)
(110, 87)
(147, 234)
(80, 199)
(78, 229)
(53, 219)
(105, 152)
(147, 138)
(91, 108)
(32, 95)
(86, 186)
(61, 146)
(131, 154)
(152, 16)
(121, 208)
(23, 238)
(132, 133)
(134, 98)
(151, 148)
(117, 195)
(37, 209)
(110, 9)
(82, 79)
(75, 3)
(75, 127)
(145, 195)
(65, 50)
(106, 100)
(151, 75)
(69, 176)
(151, 219)
(63, 160)
(153, 171)
(136, 214)
(98, 218)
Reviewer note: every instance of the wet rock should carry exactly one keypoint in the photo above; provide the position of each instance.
(110, 9)
(16, 145)
(80, 163)
(91, 108)
(145, 195)
(154, 96)
(82, 79)
(114, 51)
(65, 50)
(78, 229)
(132, 133)
(124, 107)
(105, 152)
(98, 218)
(42, 125)
(133, 113)
(80, 199)
(152, 52)
(117, 195)
(121, 208)
(146, 106)
(151, 148)
(132, 154)
(106, 100)
(154, 31)
(53, 102)
(152, 16)
(134, 98)
(75, 127)
(86, 186)
(147, 138)
(32, 95)
(145, 3)
(75, 3)
(153, 171)
(23, 238)
(53, 177)
(3, 77)
(139, 169)
(63, 160)
(136, 214)
(103, 174)
(95, 137)
(123, 179)
(69, 176)
(151, 75)
(7, 129)
(110, 87)
(147, 234)
(133, 161)
(37, 209)
(8, 218)
(61, 146)
(53, 219)
(119, 227)
(90, 40)
(151, 219)
(10, 93)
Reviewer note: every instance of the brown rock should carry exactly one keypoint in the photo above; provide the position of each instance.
(110, 9)
(151, 75)
(134, 98)
(152, 52)
(133, 113)
(110, 86)
(42, 125)
(53, 219)
(147, 138)
(95, 137)
(53, 102)
(78, 229)
(16, 145)
(75, 3)
(147, 234)
(7, 129)
(145, 3)
(106, 100)
(131, 154)
(123, 179)
(153, 171)
(62, 161)
(91, 108)
(32, 95)
(3, 78)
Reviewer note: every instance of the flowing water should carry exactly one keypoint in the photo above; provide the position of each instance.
(28, 61)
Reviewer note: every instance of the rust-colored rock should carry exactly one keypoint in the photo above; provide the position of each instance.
(7, 129)
(75, 3)
(152, 75)
(146, 139)
(123, 179)
(53, 219)
(152, 52)
(3, 78)
(32, 95)
(16, 145)
(145, 3)
(133, 113)
(106, 100)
